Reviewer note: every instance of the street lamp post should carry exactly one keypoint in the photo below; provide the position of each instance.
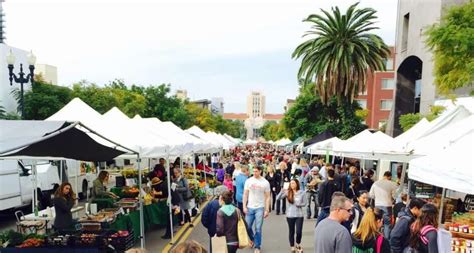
(22, 77)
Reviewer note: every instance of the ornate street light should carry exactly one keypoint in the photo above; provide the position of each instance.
(22, 78)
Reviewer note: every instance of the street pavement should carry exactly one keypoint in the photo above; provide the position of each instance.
(274, 239)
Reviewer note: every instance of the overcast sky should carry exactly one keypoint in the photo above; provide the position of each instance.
(210, 48)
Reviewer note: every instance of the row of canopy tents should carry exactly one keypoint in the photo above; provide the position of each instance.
(439, 152)
(140, 138)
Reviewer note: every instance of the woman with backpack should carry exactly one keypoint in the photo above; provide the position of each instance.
(296, 201)
(424, 235)
(368, 238)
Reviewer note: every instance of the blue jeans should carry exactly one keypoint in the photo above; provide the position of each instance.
(387, 213)
(255, 215)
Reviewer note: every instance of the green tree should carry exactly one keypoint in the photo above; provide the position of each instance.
(45, 99)
(410, 119)
(342, 52)
(96, 97)
(452, 44)
(309, 116)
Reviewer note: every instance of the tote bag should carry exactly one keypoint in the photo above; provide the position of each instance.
(242, 235)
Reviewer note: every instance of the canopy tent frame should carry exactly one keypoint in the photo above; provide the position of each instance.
(67, 128)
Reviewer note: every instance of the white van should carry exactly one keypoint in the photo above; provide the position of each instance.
(81, 175)
(16, 182)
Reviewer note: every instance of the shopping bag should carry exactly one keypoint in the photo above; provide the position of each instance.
(219, 244)
(242, 235)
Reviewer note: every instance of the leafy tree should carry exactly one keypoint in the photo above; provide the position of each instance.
(452, 44)
(309, 116)
(339, 58)
(272, 130)
(410, 119)
(45, 99)
(96, 97)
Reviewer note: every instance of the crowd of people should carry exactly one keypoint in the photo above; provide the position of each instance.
(353, 213)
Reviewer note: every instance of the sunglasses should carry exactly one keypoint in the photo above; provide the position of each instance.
(348, 210)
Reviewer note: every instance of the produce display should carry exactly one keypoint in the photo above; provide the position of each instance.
(31, 243)
(130, 192)
(462, 230)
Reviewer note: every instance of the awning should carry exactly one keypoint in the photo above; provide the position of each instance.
(58, 139)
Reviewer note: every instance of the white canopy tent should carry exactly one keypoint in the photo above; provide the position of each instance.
(141, 140)
(196, 131)
(450, 167)
(321, 147)
(282, 142)
(250, 142)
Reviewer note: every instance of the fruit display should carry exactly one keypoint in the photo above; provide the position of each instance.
(31, 243)
(130, 192)
(133, 173)
(120, 233)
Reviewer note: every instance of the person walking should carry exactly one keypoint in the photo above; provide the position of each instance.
(294, 216)
(424, 236)
(383, 192)
(272, 179)
(283, 176)
(209, 214)
(326, 189)
(239, 186)
(400, 235)
(360, 207)
(181, 186)
(329, 235)
(226, 221)
(367, 238)
(256, 205)
(312, 180)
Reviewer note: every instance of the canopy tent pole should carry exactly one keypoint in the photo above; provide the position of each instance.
(77, 179)
(34, 205)
(441, 206)
(402, 178)
(169, 197)
(181, 164)
(204, 169)
(194, 167)
(342, 161)
(61, 172)
(140, 203)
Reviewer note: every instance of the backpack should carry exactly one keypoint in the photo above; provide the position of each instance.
(443, 237)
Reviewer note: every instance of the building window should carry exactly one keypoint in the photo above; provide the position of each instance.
(406, 24)
(363, 93)
(386, 105)
(362, 103)
(389, 64)
(388, 84)
(382, 123)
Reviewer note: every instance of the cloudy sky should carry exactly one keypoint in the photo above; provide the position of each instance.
(210, 48)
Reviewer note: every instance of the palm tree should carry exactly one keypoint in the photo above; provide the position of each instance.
(342, 52)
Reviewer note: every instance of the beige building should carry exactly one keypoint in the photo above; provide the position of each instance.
(256, 105)
(182, 94)
(49, 73)
(415, 90)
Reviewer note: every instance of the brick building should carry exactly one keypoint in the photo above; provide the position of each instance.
(378, 97)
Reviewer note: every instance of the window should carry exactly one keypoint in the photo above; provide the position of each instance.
(363, 93)
(389, 64)
(382, 123)
(388, 84)
(406, 24)
(386, 105)
(362, 103)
